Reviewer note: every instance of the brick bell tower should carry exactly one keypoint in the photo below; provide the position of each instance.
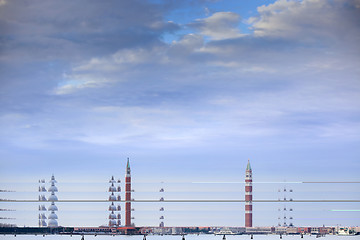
(128, 195)
(248, 196)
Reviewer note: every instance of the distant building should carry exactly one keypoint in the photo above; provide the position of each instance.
(280, 230)
(259, 230)
(304, 230)
(292, 230)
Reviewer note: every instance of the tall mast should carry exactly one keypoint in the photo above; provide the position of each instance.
(114, 219)
(53, 208)
(285, 211)
(42, 217)
(162, 225)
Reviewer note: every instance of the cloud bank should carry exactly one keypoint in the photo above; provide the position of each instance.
(299, 60)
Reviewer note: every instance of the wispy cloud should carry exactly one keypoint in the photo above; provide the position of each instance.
(73, 83)
(309, 21)
(219, 26)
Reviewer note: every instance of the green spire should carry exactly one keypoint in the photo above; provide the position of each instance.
(248, 167)
(128, 164)
(128, 167)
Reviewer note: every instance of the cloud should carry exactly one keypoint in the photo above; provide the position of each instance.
(184, 49)
(122, 59)
(308, 20)
(213, 83)
(78, 83)
(219, 26)
(100, 29)
(310, 34)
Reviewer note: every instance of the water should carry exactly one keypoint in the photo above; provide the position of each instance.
(187, 237)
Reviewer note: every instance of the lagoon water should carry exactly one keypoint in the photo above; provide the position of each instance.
(187, 237)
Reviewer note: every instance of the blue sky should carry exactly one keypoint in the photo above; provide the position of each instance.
(189, 90)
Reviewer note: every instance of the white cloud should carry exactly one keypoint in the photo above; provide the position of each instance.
(187, 45)
(307, 20)
(219, 26)
(95, 63)
(98, 72)
(115, 61)
(73, 83)
(124, 58)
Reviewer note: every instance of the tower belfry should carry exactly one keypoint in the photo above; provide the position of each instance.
(248, 196)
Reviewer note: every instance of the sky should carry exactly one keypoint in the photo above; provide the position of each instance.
(189, 91)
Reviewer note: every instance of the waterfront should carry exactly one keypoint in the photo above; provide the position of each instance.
(167, 237)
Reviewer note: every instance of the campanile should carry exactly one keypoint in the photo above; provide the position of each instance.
(248, 196)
